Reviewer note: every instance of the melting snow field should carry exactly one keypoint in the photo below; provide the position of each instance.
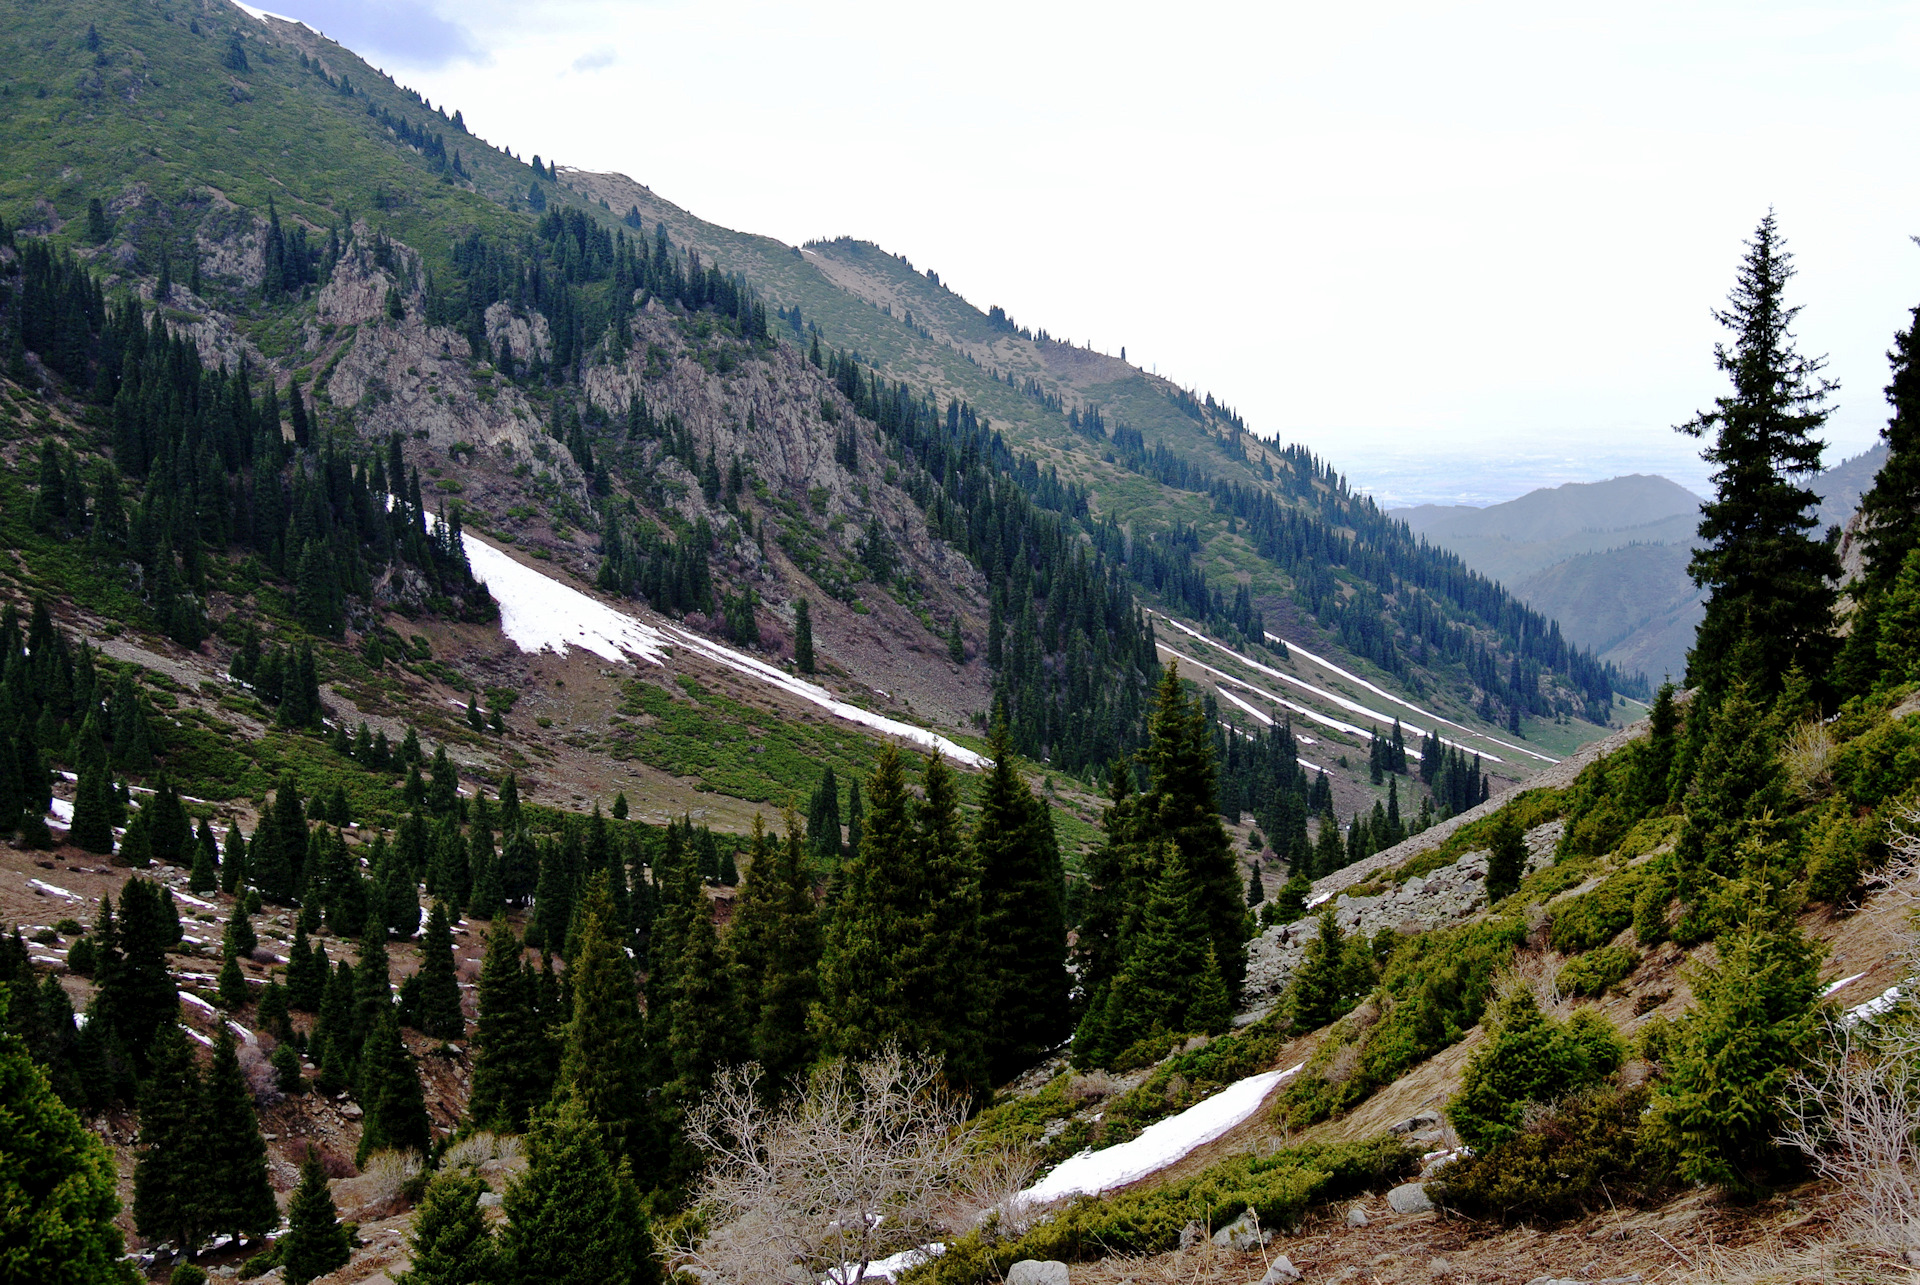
(1160, 1145)
(538, 613)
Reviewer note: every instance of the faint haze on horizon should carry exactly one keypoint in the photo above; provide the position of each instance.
(1465, 222)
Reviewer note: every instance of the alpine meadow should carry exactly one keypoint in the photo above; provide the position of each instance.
(544, 739)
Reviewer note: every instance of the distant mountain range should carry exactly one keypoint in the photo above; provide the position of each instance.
(1608, 560)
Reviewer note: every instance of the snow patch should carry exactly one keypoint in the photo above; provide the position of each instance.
(1160, 1144)
(188, 997)
(1844, 981)
(261, 15)
(1876, 1006)
(62, 811)
(192, 900)
(54, 890)
(195, 1035)
(538, 613)
(893, 1264)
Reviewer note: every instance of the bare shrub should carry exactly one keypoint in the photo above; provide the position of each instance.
(866, 1160)
(390, 1172)
(259, 1075)
(1856, 1115)
(337, 1165)
(1094, 1084)
(1805, 756)
(477, 1149)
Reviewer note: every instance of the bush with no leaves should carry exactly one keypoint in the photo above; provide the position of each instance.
(862, 1161)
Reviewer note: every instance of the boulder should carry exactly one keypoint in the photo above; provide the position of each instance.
(1242, 1234)
(1283, 1272)
(1356, 1217)
(1414, 1124)
(1409, 1198)
(1192, 1234)
(1031, 1271)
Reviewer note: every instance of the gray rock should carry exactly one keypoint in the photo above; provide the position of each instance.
(1409, 1198)
(489, 1199)
(1192, 1234)
(1440, 1267)
(1242, 1234)
(1283, 1272)
(1424, 1120)
(1356, 1217)
(1031, 1271)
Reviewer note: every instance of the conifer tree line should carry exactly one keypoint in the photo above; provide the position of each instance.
(1417, 605)
(201, 469)
(1161, 944)
(588, 282)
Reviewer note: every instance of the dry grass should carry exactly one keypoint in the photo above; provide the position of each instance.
(1806, 756)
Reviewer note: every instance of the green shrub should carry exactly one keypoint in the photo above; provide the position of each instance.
(1595, 918)
(1279, 1188)
(1836, 851)
(1658, 887)
(1597, 972)
(188, 1274)
(1880, 763)
(1433, 990)
(1585, 1154)
(1530, 1059)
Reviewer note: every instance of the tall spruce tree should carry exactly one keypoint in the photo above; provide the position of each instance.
(1023, 918)
(451, 1240)
(239, 1199)
(860, 1009)
(440, 1014)
(575, 1217)
(1890, 510)
(774, 942)
(1769, 577)
(316, 1243)
(170, 1173)
(803, 636)
(508, 1079)
(601, 1055)
(390, 1093)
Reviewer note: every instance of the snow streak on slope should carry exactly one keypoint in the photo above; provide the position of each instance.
(538, 613)
(1354, 706)
(1159, 1145)
(1269, 722)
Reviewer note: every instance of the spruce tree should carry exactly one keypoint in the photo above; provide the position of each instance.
(706, 1030)
(803, 636)
(372, 983)
(507, 1080)
(171, 1196)
(1769, 577)
(206, 862)
(1754, 1020)
(1890, 510)
(137, 994)
(1164, 986)
(1023, 920)
(1506, 857)
(316, 1243)
(332, 1044)
(774, 940)
(239, 939)
(232, 985)
(439, 987)
(390, 1094)
(57, 1180)
(575, 1217)
(92, 829)
(860, 1007)
(601, 1054)
(1290, 903)
(451, 1240)
(239, 1199)
(1256, 890)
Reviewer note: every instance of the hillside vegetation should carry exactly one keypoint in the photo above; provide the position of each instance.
(488, 659)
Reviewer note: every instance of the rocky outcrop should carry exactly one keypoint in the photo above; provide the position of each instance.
(1435, 900)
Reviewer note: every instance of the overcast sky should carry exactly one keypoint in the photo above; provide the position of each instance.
(1460, 250)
